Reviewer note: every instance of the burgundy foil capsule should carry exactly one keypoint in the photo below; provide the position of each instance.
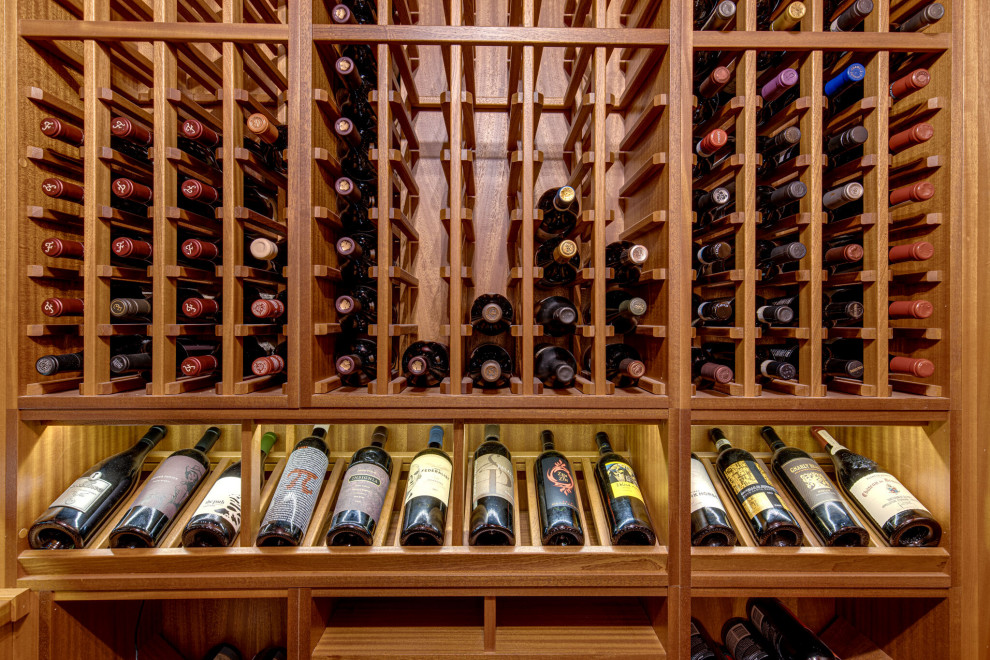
(917, 134)
(844, 254)
(123, 127)
(717, 372)
(199, 365)
(132, 249)
(632, 368)
(197, 131)
(59, 130)
(912, 82)
(60, 189)
(347, 190)
(920, 251)
(57, 247)
(55, 307)
(265, 366)
(342, 15)
(197, 249)
(136, 192)
(910, 309)
(782, 82)
(348, 247)
(710, 144)
(715, 81)
(914, 192)
(347, 305)
(348, 364)
(195, 308)
(917, 367)
(198, 191)
(348, 72)
(267, 308)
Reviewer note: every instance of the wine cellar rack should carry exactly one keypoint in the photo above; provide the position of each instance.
(481, 106)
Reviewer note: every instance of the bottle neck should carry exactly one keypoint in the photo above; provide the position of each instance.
(436, 437)
(208, 440)
(826, 440)
(492, 433)
(379, 437)
(604, 446)
(548, 440)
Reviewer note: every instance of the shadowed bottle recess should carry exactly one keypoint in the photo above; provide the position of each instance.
(427, 496)
(785, 634)
(625, 508)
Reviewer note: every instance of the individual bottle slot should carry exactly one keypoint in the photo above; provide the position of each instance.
(561, 208)
(769, 366)
(851, 17)
(492, 519)
(909, 137)
(842, 254)
(789, 18)
(709, 520)
(62, 131)
(269, 305)
(64, 363)
(709, 204)
(203, 306)
(491, 314)
(917, 251)
(702, 646)
(706, 370)
(557, 316)
(276, 137)
(845, 140)
(714, 16)
(359, 83)
(710, 151)
(842, 361)
(626, 259)
(743, 641)
(927, 16)
(709, 93)
(557, 502)
(914, 192)
(623, 311)
(769, 519)
(625, 507)
(357, 361)
(786, 635)
(909, 84)
(61, 189)
(490, 367)
(355, 163)
(560, 261)
(132, 356)
(427, 494)
(131, 139)
(842, 306)
(273, 362)
(776, 203)
(623, 364)
(838, 197)
(776, 150)
(425, 364)
(910, 309)
(273, 254)
(844, 80)
(58, 306)
(715, 311)
(132, 249)
(777, 93)
(709, 257)
(359, 195)
(773, 259)
(357, 309)
(554, 366)
(362, 494)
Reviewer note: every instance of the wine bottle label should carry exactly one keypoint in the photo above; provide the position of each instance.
(429, 475)
(741, 644)
(223, 501)
(622, 480)
(883, 496)
(752, 488)
(768, 630)
(493, 477)
(809, 480)
(170, 486)
(703, 495)
(558, 485)
(83, 493)
(363, 490)
(298, 488)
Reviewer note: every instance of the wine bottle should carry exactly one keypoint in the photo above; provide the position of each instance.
(626, 260)
(60, 248)
(918, 134)
(772, 524)
(909, 84)
(623, 364)
(623, 311)
(625, 510)
(773, 259)
(709, 520)
(709, 203)
(840, 196)
(842, 307)
(270, 305)
(357, 361)
(560, 522)
(132, 249)
(842, 255)
(912, 192)
(560, 261)
(918, 251)
(362, 494)
(425, 364)
(928, 15)
(357, 309)
(708, 90)
(298, 488)
(74, 517)
(49, 365)
(847, 349)
(769, 365)
(163, 495)
(272, 653)
(560, 208)
(60, 189)
(715, 311)
(844, 140)
(355, 163)
(275, 136)
(491, 314)
(836, 362)
(709, 151)
(786, 635)
(217, 520)
(705, 369)
(744, 642)
(271, 253)
(717, 18)
(200, 250)
(849, 19)
(702, 647)
(890, 507)
(133, 140)
(557, 315)
(62, 131)
(490, 367)
(813, 492)
(57, 307)
(493, 498)
(777, 149)
(789, 18)
(711, 253)
(427, 494)
(362, 54)
(273, 361)
(554, 366)
(359, 81)
(135, 357)
(910, 309)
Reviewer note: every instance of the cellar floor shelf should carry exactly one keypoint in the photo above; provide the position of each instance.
(202, 400)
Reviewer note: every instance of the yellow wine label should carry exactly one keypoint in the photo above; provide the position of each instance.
(622, 480)
(751, 487)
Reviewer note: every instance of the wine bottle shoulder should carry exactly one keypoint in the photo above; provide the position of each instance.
(194, 454)
(492, 447)
(785, 454)
(314, 442)
(433, 451)
(373, 455)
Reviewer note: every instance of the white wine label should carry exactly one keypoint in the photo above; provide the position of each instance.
(169, 488)
(83, 493)
(429, 475)
(493, 477)
(558, 482)
(223, 501)
(298, 488)
(882, 496)
(752, 488)
(363, 490)
(810, 482)
(703, 493)
(622, 480)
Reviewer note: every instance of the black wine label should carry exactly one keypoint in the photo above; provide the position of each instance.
(364, 488)
(809, 481)
(558, 482)
(752, 488)
(762, 623)
(169, 487)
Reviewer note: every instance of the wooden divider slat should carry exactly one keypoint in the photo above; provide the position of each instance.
(532, 504)
(602, 530)
(381, 528)
(319, 523)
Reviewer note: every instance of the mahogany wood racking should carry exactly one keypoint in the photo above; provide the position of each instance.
(482, 105)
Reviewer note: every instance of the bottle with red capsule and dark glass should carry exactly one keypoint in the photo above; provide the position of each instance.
(623, 364)
(273, 362)
(709, 151)
(62, 248)
(706, 370)
(268, 305)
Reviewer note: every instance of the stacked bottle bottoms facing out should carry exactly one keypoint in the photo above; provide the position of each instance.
(94, 498)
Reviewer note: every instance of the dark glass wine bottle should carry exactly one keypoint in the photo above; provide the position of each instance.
(560, 261)
(357, 309)
(491, 314)
(770, 365)
(49, 365)
(272, 653)
(716, 311)
(557, 315)
(772, 524)
(709, 151)
(425, 364)
(163, 495)
(776, 149)
(357, 361)
(276, 137)
(705, 369)
(846, 139)
(838, 197)
(814, 493)
(490, 367)
(623, 364)
(710, 253)
(217, 520)
(222, 651)
(560, 521)
(926, 16)
(702, 647)
(295, 496)
(362, 494)
(493, 498)
(890, 507)
(427, 494)
(560, 208)
(709, 204)
(709, 520)
(554, 366)
(772, 259)
(625, 509)
(60, 248)
(74, 517)
(744, 642)
(623, 311)
(626, 260)
(786, 635)
(200, 250)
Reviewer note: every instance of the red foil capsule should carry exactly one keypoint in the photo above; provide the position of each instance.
(199, 365)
